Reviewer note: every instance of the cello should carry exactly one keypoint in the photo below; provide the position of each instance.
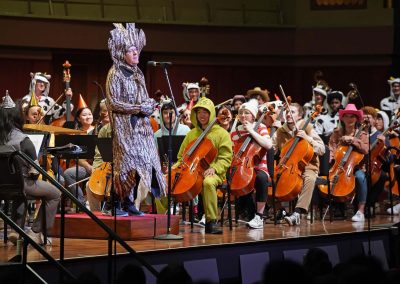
(187, 178)
(341, 174)
(392, 183)
(378, 155)
(67, 80)
(100, 181)
(295, 155)
(246, 155)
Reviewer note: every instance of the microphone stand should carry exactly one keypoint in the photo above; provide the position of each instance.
(112, 250)
(169, 235)
(369, 182)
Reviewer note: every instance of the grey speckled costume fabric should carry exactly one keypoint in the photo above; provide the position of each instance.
(134, 148)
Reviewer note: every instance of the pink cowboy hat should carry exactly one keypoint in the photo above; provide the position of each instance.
(351, 109)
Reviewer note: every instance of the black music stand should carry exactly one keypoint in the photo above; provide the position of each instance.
(162, 143)
(105, 148)
(169, 145)
(77, 147)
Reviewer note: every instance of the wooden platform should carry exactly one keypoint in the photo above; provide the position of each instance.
(197, 239)
(227, 252)
(80, 226)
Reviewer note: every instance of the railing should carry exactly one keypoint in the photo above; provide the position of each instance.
(112, 236)
(27, 240)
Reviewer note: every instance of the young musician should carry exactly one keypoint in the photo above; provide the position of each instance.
(247, 116)
(11, 121)
(290, 129)
(33, 112)
(392, 103)
(134, 150)
(40, 87)
(371, 114)
(83, 121)
(167, 108)
(345, 135)
(227, 122)
(202, 114)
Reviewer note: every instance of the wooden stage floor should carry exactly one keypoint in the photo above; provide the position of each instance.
(81, 248)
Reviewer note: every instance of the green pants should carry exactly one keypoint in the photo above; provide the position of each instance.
(210, 201)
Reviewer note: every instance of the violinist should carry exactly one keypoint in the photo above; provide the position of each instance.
(345, 135)
(247, 116)
(294, 121)
(202, 114)
(40, 87)
(83, 121)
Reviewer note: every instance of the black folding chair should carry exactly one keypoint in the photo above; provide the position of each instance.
(12, 185)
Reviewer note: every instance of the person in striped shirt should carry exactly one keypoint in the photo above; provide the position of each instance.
(247, 116)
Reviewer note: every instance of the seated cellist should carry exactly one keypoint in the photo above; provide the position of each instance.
(202, 114)
(293, 122)
(345, 135)
(247, 116)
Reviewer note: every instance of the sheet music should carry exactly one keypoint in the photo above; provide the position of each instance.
(37, 140)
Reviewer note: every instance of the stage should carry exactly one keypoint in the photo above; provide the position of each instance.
(226, 254)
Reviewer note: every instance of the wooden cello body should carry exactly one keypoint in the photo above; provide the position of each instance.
(295, 155)
(392, 183)
(377, 159)
(246, 155)
(100, 181)
(341, 174)
(187, 178)
(290, 168)
(378, 153)
(242, 182)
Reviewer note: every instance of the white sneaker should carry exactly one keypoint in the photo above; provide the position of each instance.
(293, 219)
(203, 220)
(396, 209)
(358, 217)
(256, 223)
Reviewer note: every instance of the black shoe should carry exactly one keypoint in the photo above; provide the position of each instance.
(281, 214)
(131, 209)
(212, 227)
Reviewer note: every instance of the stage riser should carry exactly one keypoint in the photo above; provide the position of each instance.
(228, 257)
(130, 228)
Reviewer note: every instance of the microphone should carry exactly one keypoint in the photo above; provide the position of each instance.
(156, 63)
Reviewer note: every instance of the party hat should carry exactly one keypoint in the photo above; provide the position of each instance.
(81, 102)
(7, 101)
